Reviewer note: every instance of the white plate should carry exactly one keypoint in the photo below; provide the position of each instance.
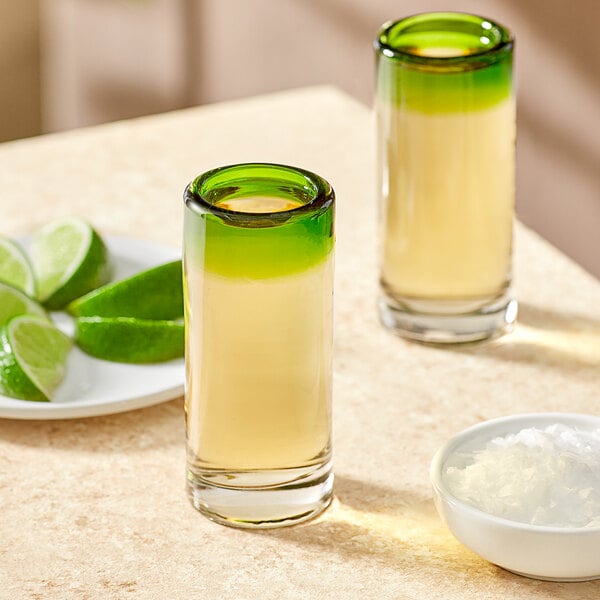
(95, 387)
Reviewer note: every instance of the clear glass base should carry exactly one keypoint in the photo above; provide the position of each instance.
(261, 499)
(447, 322)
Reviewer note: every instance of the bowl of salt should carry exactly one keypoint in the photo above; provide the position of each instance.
(523, 492)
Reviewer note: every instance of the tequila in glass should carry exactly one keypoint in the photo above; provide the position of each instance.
(258, 265)
(446, 130)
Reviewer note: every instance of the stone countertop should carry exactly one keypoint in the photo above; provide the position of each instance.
(96, 508)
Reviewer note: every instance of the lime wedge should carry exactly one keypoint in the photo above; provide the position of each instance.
(153, 294)
(33, 354)
(129, 340)
(14, 302)
(69, 259)
(15, 268)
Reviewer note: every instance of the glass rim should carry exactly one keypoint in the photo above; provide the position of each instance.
(383, 47)
(321, 193)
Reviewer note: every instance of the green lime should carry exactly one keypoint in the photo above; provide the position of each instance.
(33, 354)
(129, 340)
(69, 260)
(15, 268)
(153, 294)
(14, 302)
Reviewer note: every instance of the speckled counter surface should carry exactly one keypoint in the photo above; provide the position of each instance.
(96, 508)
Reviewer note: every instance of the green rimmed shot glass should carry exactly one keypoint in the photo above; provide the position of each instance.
(446, 164)
(258, 285)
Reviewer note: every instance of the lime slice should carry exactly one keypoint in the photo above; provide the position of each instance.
(15, 268)
(69, 260)
(153, 294)
(33, 354)
(14, 302)
(129, 340)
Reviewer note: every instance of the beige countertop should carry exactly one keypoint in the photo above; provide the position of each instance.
(96, 508)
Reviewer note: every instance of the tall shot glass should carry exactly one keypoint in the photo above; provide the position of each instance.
(258, 284)
(446, 136)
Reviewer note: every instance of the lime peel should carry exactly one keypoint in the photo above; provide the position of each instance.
(14, 302)
(155, 293)
(130, 340)
(69, 260)
(33, 356)
(15, 267)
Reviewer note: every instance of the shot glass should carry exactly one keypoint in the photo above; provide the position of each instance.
(258, 285)
(446, 162)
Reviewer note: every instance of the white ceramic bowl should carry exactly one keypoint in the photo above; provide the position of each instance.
(552, 553)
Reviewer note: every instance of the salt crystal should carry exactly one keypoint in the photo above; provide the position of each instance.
(547, 476)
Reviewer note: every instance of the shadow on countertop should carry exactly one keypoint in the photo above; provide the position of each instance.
(546, 338)
(400, 530)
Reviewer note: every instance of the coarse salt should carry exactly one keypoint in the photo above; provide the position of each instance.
(547, 476)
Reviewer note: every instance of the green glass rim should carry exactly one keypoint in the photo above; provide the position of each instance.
(267, 179)
(499, 40)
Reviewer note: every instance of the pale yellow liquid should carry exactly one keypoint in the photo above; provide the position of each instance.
(259, 204)
(439, 52)
(448, 200)
(259, 368)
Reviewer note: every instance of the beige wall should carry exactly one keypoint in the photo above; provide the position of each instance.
(19, 69)
(104, 60)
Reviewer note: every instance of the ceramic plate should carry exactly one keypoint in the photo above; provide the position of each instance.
(95, 387)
